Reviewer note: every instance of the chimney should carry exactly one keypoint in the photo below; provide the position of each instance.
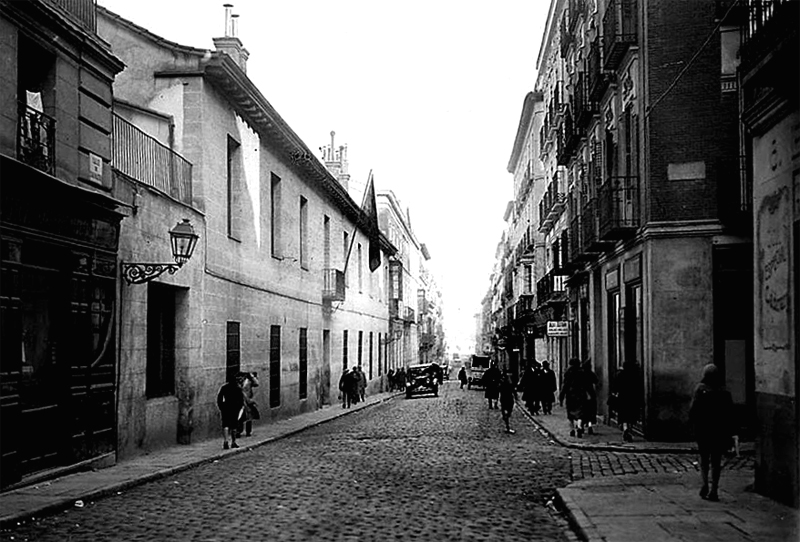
(336, 162)
(230, 43)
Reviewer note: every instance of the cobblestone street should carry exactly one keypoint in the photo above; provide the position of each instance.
(421, 469)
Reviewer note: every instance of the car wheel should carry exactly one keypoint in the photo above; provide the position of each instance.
(408, 394)
(436, 391)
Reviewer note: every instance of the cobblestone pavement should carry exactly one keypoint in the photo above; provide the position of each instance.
(591, 464)
(422, 469)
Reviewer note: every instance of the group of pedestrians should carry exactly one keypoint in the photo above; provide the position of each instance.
(396, 379)
(580, 392)
(538, 386)
(237, 406)
(352, 386)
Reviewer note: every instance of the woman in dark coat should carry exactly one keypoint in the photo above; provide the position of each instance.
(711, 415)
(546, 384)
(628, 391)
(491, 382)
(527, 386)
(230, 401)
(574, 391)
(508, 396)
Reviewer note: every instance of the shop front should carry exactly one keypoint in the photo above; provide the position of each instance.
(57, 303)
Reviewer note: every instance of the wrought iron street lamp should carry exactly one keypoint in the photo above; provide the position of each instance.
(183, 240)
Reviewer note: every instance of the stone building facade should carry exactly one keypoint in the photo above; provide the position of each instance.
(266, 290)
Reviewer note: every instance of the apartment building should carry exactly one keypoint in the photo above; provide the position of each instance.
(646, 233)
(405, 285)
(59, 240)
(280, 282)
(770, 147)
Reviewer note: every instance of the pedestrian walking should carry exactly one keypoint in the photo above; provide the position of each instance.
(590, 406)
(230, 401)
(491, 382)
(711, 415)
(344, 388)
(361, 384)
(546, 383)
(390, 379)
(527, 385)
(249, 381)
(626, 398)
(574, 391)
(401, 379)
(508, 396)
(462, 376)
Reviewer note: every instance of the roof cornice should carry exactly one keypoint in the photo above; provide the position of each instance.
(522, 128)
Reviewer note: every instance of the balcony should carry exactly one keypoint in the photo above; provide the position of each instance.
(396, 309)
(568, 139)
(566, 36)
(552, 288)
(83, 11)
(592, 244)
(552, 204)
(408, 315)
(598, 80)
(619, 31)
(143, 158)
(619, 207)
(576, 8)
(333, 285)
(36, 139)
(585, 109)
(770, 25)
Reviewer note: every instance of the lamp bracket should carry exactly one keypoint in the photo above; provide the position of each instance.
(139, 273)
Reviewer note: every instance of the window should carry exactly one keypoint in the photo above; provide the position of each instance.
(528, 279)
(344, 350)
(160, 340)
(274, 366)
(36, 82)
(234, 175)
(379, 354)
(233, 353)
(275, 216)
(360, 269)
(326, 241)
(303, 350)
(634, 345)
(360, 347)
(370, 355)
(345, 254)
(303, 233)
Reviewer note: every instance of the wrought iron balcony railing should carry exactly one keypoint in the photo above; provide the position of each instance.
(552, 287)
(552, 204)
(145, 159)
(619, 207)
(333, 285)
(592, 244)
(36, 139)
(619, 31)
(768, 23)
(83, 11)
(585, 108)
(598, 80)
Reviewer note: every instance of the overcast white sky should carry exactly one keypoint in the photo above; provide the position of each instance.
(426, 93)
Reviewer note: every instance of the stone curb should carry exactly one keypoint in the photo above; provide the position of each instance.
(7, 521)
(578, 520)
(604, 447)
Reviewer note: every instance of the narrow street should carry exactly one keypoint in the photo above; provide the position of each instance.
(427, 468)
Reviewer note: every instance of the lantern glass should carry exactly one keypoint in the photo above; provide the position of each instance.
(183, 240)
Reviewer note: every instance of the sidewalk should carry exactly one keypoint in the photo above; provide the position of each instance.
(48, 497)
(663, 507)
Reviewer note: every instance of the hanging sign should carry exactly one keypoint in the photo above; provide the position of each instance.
(557, 328)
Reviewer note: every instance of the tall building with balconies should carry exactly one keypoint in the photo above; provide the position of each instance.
(770, 148)
(647, 233)
(59, 240)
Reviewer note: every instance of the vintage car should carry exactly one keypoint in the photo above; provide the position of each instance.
(422, 379)
(478, 365)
